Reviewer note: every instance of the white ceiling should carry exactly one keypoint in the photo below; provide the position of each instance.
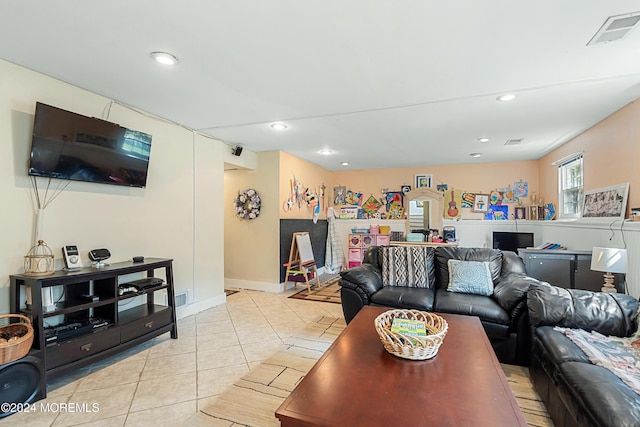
(381, 83)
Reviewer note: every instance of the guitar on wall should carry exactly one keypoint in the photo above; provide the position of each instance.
(453, 209)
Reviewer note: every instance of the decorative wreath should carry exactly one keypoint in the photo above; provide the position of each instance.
(247, 204)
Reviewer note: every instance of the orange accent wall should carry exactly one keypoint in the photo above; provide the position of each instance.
(311, 176)
(472, 178)
(611, 155)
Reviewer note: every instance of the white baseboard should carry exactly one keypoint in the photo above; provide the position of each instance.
(199, 306)
(254, 286)
(262, 286)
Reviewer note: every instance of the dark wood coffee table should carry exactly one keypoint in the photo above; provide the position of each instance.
(357, 382)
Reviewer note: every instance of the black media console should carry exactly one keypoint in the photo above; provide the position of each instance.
(92, 319)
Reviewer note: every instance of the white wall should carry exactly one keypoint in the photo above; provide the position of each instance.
(178, 215)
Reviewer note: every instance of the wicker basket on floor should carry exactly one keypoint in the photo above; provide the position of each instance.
(17, 347)
(412, 347)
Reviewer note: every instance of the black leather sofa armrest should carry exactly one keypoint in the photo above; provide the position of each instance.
(512, 288)
(607, 313)
(512, 263)
(365, 279)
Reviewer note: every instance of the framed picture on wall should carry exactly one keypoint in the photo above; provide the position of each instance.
(423, 180)
(480, 203)
(608, 203)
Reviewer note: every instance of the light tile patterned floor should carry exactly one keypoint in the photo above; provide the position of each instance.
(163, 382)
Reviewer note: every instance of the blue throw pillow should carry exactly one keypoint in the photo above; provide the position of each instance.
(470, 277)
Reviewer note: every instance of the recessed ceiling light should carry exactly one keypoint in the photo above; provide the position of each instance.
(484, 139)
(506, 97)
(344, 163)
(476, 155)
(278, 126)
(326, 152)
(164, 58)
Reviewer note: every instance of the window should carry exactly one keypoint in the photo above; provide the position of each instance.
(570, 187)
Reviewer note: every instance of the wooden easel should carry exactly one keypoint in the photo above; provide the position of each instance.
(301, 265)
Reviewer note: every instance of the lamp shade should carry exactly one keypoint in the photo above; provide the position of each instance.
(610, 260)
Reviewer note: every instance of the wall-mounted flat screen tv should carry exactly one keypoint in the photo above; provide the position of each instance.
(512, 241)
(67, 145)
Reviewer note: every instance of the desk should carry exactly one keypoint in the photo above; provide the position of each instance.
(566, 269)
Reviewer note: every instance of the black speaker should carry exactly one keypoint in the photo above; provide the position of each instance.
(449, 233)
(237, 150)
(99, 254)
(21, 381)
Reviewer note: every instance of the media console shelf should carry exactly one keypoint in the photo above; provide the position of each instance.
(103, 321)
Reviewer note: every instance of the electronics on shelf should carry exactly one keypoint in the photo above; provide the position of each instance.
(139, 285)
(71, 256)
(69, 330)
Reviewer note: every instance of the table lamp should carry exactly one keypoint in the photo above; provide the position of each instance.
(609, 260)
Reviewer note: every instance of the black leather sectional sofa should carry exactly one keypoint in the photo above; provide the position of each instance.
(503, 314)
(575, 391)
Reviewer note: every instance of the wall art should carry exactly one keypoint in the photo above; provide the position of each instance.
(497, 213)
(467, 199)
(353, 198)
(606, 203)
(339, 195)
(480, 203)
(520, 189)
(453, 202)
(423, 180)
(372, 205)
(394, 197)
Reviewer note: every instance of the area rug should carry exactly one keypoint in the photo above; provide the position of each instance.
(329, 291)
(253, 400)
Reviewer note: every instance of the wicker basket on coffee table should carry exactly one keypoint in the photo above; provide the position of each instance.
(414, 348)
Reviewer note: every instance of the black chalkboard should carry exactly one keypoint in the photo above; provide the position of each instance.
(317, 233)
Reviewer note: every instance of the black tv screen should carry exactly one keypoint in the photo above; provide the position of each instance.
(67, 145)
(511, 241)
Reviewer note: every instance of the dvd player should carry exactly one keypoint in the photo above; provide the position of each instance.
(68, 330)
(146, 283)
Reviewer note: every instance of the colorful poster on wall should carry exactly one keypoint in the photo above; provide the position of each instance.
(396, 211)
(496, 197)
(520, 189)
(497, 213)
(371, 206)
(453, 204)
(549, 211)
(467, 199)
(393, 197)
(507, 195)
(353, 198)
(339, 195)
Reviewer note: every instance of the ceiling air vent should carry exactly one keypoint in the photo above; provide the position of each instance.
(615, 28)
(514, 141)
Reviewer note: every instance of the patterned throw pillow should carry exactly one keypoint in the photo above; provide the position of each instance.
(405, 266)
(470, 277)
